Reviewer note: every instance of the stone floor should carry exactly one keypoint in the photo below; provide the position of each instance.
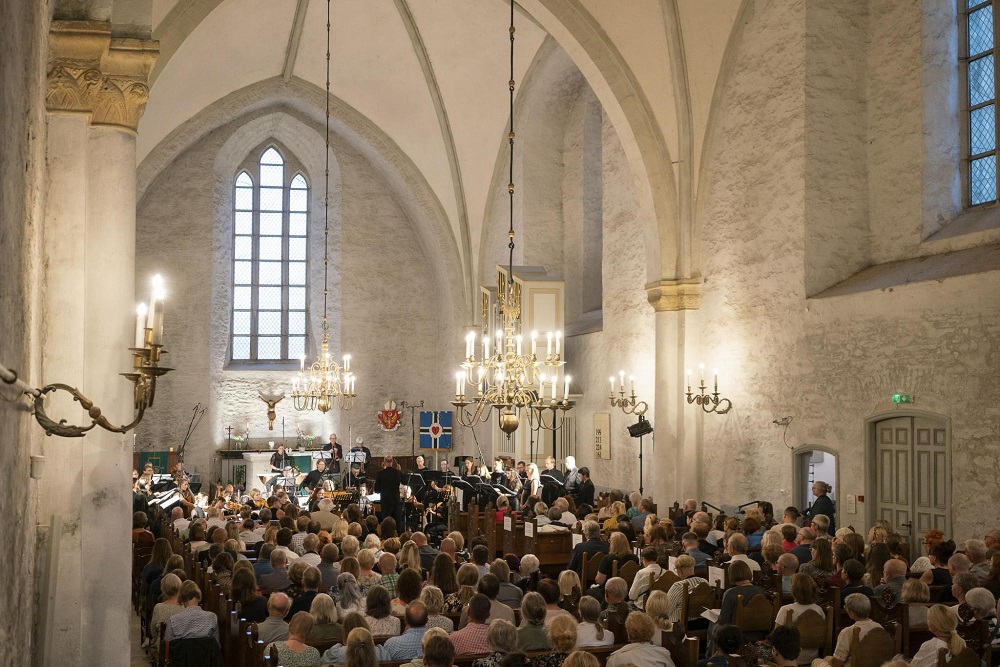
(139, 658)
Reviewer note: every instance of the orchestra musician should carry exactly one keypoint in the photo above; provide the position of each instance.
(255, 500)
(179, 473)
(552, 470)
(359, 446)
(187, 499)
(470, 467)
(387, 484)
(336, 453)
(353, 478)
(315, 477)
(421, 463)
(279, 461)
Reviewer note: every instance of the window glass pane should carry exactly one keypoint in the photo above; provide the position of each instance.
(244, 180)
(296, 347)
(244, 199)
(297, 200)
(981, 30)
(271, 156)
(242, 272)
(269, 322)
(241, 298)
(270, 224)
(297, 249)
(297, 224)
(269, 348)
(297, 298)
(269, 298)
(269, 273)
(244, 223)
(272, 174)
(299, 183)
(983, 179)
(241, 347)
(270, 199)
(972, 3)
(981, 80)
(982, 130)
(243, 248)
(241, 322)
(296, 322)
(270, 247)
(296, 273)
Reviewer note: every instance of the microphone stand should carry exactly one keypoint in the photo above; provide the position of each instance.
(739, 509)
(705, 504)
(413, 430)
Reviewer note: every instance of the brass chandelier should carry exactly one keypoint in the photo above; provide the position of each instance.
(325, 383)
(508, 377)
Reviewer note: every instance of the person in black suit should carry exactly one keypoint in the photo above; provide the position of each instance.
(359, 446)
(387, 485)
(822, 505)
(551, 469)
(584, 489)
(591, 545)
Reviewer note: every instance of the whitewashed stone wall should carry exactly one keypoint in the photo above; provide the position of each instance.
(385, 309)
(830, 363)
(23, 31)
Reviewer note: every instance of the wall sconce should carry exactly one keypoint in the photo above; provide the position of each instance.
(708, 402)
(146, 368)
(629, 405)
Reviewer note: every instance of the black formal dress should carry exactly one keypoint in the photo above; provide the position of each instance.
(823, 505)
(585, 493)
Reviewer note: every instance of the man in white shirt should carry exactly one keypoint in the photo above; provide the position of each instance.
(180, 523)
(215, 519)
(554, 523)
(737, 547)
(310, 553)
(567, 517)
(640, 585)
(325, 515)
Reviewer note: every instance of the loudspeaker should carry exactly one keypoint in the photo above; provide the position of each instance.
(640, 428)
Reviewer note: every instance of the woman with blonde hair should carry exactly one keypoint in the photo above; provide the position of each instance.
(468, 579)
(170, 587)
(619, 552)
(533, 635)
(684, 566)
(570, 592)
(339, 531)
(433, 601)
(562, 634)
(459, 540)
(409, 556)
(617, 509)
(534, 480)
(581, 659)
(658, 610)
(591, 631)
(915, 592)
(366, 577)
(271, 534)
(360, 649)
(233, 533)
(943, 624)
(391, 545)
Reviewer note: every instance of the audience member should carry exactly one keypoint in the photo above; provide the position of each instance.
(509, 594)
(591, 631)
(639, 650)
(502, 639)
(192, 622)
(563, 635)
(170, 588)
(785, 645)
(378, 613)
(684, 566)
(942, 623)
(325, 627)
(651, 570)
(472, 638)
(533, 635)
(293, 651)
(728, 639)
(859, 610)
(407, 645)
(914, 594)
(434, 603)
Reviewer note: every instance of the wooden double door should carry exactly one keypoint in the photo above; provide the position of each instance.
(912, 477)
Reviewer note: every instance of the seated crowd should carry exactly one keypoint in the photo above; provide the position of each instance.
(325, 588)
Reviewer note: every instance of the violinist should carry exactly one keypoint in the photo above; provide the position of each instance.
(315, 477)
(352, 478)
(187, 499)
(255, 500)
(334, 452)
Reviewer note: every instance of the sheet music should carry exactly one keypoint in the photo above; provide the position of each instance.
(577, 539)
(508, 523)
(672, 564)
(717, 575)
(529, 529)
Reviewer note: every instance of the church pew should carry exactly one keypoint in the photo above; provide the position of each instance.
(490, 530)
(554, 550)
(513, 536)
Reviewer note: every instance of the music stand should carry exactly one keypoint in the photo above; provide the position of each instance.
(545, 479)
(503, 490)
(414, 480)
(358, 457)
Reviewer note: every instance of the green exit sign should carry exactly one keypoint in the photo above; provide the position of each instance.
(902, 398)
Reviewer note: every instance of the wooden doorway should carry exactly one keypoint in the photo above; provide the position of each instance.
(812, 463)
(910, 484)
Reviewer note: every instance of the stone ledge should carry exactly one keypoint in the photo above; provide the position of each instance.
(673, 295)
(931, 268)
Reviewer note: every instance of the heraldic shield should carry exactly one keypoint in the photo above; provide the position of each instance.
(435, 429)
(390, 418)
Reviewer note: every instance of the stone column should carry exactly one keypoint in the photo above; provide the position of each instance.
(97, 92)
(676, 463)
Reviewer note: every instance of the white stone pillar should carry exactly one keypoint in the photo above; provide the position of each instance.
(97, 93)
(676, 462)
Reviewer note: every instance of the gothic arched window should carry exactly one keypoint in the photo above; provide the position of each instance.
(270, 223)
(979, 55)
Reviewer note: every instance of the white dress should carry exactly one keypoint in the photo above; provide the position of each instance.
(586, 636)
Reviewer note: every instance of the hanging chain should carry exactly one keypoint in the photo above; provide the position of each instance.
(326, 197)
(510, 138)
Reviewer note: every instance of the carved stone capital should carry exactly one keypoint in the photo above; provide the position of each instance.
(90, 72)
(673, 295)
(124, 89)
(74, 68)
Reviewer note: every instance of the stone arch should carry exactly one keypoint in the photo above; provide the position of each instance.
(410, 187)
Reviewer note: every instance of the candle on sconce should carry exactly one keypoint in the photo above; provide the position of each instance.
(621, 381)
(701, 369)
(534, 342)
(347, 362)
(470, 344)
(518, 340)
(140, 325)
(558, 340)
(566, 388)
(631, 381)
(715, 373)
(302, 363)
(541, 386)
(154, 316)
(612, 381)
(689, 380)
(555, 378)
(548, 344)
(486, 347)
(458, 383)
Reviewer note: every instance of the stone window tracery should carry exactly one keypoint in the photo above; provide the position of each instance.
(270, 225)
(978, 55)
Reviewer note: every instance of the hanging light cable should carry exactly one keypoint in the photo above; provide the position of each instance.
(325, 383)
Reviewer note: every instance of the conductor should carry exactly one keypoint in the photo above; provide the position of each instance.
(387, 485)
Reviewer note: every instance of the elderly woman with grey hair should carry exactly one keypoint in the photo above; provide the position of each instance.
(349, 597)
(502, 637)
(984, 606)
(859, 608)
